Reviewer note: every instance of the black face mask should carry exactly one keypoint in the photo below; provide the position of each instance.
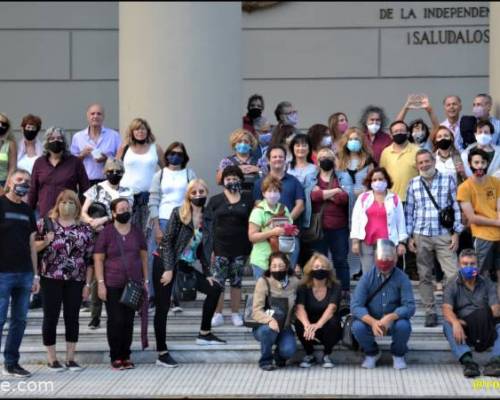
(278, 275)
(30, 135)
(142, 141)
(3, 128)
(113, 178)
(233, 187)
(254, 113)
(21, 189)
(123, 218)
(56, 147)
(444, 144)
(326, 164)
(199, 201)
(400, 138)
(320, 274)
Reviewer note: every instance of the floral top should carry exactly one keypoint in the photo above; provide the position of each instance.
(103, 193)
(67, 256)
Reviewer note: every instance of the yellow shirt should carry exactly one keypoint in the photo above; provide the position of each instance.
(401, 166)
(483, 198)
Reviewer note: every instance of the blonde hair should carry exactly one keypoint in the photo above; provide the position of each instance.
(307, 280)
(344, 154)
(185, 211)
(325, 150)
(66, 194)
(113, 163)
(8, 135)
(136, 124)
(239, 134)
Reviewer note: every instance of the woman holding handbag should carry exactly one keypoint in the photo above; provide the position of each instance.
(121, 262)
(273, 302)
(181, 247)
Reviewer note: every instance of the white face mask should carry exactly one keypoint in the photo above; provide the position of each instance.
(484, 139)
(373, 128)
(272, 197)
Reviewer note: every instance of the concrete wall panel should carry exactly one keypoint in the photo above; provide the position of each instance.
(95, 55)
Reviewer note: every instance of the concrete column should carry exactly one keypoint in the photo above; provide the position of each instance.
(180, 69)
(495, 55)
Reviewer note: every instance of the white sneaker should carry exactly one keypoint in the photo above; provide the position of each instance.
(399, 362)
(237, 320)
(370, 362)
(176, 309)
(327, 362)
(217, 319)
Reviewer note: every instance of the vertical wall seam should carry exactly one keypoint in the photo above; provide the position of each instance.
(70, 55)
(379, 64)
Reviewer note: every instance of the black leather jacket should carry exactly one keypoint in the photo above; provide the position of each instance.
(175, 240)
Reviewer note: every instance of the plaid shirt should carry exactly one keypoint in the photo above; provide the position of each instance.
(422, 217)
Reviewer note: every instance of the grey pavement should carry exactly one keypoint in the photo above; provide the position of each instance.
(247, 380)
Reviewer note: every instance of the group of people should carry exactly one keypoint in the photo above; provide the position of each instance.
(84, 220)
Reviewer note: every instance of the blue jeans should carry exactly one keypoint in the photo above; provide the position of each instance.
(257, 272)
(294, 257)
(337, 241)
(152, 246)
(15, 285)
(400, 331)
(285, 342)
(459, 350)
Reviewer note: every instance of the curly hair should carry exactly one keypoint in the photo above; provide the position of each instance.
(370, 110)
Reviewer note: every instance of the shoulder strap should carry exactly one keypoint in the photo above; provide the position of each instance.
(269, 296)
(371, 296)
(161, 177)
(125, 151)
(48, 225)
(430, 194)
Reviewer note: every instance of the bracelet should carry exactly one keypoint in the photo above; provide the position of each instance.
(100, 281)
(37, 277)
(146, 280)
(87, 285)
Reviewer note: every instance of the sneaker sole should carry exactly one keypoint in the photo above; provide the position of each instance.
(305, 365)
(202, 342)
(5, 373)
(162, 364)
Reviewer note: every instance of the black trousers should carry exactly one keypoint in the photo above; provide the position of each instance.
(163, 294)
(329, 335)
(57, 292)
(120, 325)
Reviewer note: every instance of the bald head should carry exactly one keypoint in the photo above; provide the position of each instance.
(95, 115)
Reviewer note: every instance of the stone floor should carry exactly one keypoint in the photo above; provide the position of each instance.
(247, 380)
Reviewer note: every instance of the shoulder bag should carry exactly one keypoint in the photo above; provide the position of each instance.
(133, 292)
(315, 230)
(446, 215)
(274, 306)
(348, 338)
(96, 208)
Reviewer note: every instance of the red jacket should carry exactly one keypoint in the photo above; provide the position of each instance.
(336, 211)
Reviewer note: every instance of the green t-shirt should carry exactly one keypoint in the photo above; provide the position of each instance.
(260, 216)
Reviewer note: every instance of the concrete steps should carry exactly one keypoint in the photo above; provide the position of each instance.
(426, 344)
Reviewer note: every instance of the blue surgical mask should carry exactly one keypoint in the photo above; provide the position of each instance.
(242, 148)
(354, 145)
(292, 119)
(469, 272)
(265, 138)
(175, 159)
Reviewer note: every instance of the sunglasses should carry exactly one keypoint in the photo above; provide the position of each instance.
(115, 171)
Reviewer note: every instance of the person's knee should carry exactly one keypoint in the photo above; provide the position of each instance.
(359, 328)
(265, 333)
(287, 348)
(402, 327)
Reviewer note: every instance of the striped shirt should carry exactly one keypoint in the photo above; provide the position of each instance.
(422, 217)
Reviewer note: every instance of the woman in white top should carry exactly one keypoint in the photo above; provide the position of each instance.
(448, 160)
(141, 156)
(167, 191)
(377, 214)
(29, 148)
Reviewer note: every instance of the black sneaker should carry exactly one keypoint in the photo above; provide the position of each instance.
(209, 339)
(55, 366)
(431, 320)
(492, 367)
(267, 367)
(166, 360)
(151, 302)
(471, 369)
(15, 370)
(73, 366)
(95, 323)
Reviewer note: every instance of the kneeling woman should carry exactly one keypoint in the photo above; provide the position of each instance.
(180, 248)
(276, 328)
(318, 300)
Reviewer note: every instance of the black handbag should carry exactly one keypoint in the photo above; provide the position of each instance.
(96, 208)
(185, 282)
(133, 293)
(348, 338)
(274, 306)
(446, 215)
